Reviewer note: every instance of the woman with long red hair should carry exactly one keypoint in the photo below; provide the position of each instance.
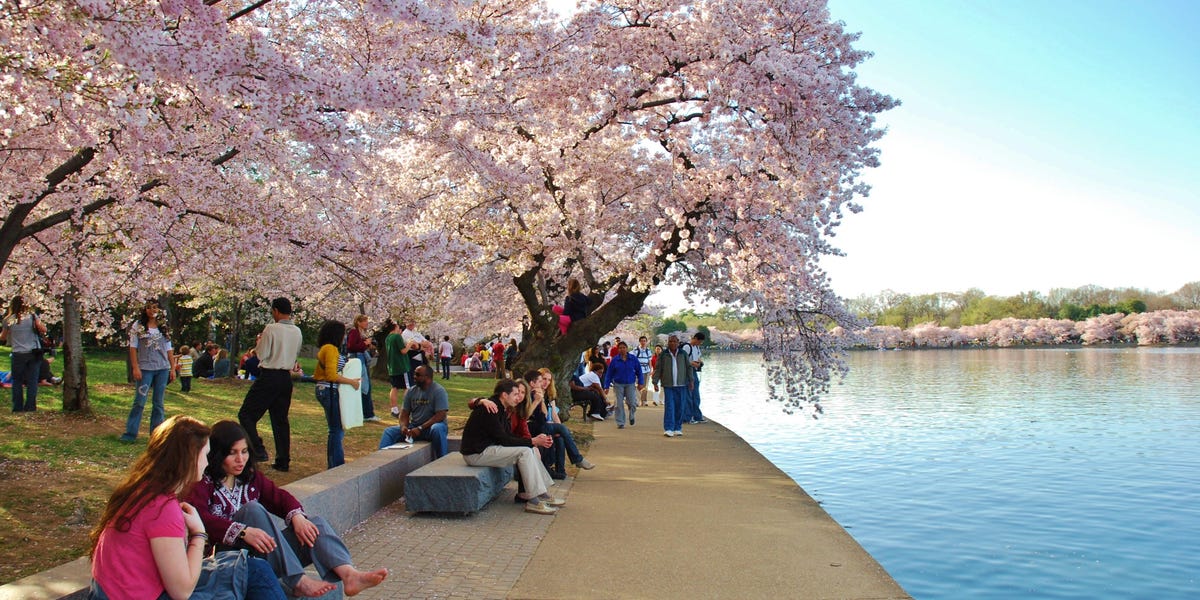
(148, 545)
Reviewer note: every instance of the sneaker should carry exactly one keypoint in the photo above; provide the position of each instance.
(279, 467)
(585, 464)
(556, 474)
(373, 419)
(678, 433)
(539, 507)
(596, 416)
(620, 427)
(631, 421)
(702, 420)
(124, 439)
(669, 433)
(552, 501)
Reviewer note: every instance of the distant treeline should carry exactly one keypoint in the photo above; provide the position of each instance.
(1085, 315)
(974, 307)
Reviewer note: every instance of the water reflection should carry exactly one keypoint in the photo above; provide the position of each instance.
(1058, 473)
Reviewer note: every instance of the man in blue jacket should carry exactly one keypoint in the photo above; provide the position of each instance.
(624, 374)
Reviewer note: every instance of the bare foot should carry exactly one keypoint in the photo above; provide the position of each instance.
(308, 587)
(358, 581)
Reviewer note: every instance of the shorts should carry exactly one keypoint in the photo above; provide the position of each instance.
(399, 382)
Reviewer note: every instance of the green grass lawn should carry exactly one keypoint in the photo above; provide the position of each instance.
(57, 469)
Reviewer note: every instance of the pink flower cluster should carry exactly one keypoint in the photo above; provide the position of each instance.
(1149, 328)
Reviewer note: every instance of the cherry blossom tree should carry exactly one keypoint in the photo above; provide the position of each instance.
(932, 335)
(1101, 329)
(715, 145)
(399, 155)
(165, 145)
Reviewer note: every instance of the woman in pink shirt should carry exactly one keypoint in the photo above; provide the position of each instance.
(148, 545)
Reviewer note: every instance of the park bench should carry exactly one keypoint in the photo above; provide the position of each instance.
(450, 485)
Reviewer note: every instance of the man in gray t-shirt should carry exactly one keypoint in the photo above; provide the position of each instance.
(423, 414)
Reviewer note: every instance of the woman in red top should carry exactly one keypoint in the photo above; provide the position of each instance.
(358, 345)
(235, 501)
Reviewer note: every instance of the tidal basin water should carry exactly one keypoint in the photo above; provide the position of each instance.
(1007, 473)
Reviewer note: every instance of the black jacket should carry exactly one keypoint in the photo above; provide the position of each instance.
(485, 429)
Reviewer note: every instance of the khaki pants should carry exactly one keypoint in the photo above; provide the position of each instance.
(534, 475)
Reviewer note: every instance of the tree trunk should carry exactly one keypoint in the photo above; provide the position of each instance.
(545, 347)
(380, 370)
(235, 350)
(75, 390)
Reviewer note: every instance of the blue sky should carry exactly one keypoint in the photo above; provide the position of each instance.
(1039, 145)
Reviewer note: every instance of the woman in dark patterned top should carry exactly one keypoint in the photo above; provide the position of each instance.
(234, 499)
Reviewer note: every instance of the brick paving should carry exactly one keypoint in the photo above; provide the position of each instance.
(477, 556)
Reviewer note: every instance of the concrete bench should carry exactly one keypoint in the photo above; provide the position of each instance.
(449, 484)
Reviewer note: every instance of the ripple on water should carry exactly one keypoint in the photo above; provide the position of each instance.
(999, 473)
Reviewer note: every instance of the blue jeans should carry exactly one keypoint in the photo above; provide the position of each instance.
(25, 369)
(288, 559)
(626, 394)
(435, 434)
(693, 405)
(563, 435)
(327, 397)
(445, 367)
(155, 381)
(674, 398)
(261, 583)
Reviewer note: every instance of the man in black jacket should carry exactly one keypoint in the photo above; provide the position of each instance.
(203, 368)
(488, 441)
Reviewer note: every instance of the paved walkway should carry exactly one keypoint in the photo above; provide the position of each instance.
(701, 516)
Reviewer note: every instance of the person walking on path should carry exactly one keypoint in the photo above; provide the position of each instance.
(624, 376)
(358, 345)
(278, 348)
(153, 368)
(21, 330)
(423, 416)
(643, 354)
(674, 372)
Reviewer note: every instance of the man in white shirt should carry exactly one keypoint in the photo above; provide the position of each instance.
(589, 389)
(643, 354)
(413, 340)
(277, 350)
